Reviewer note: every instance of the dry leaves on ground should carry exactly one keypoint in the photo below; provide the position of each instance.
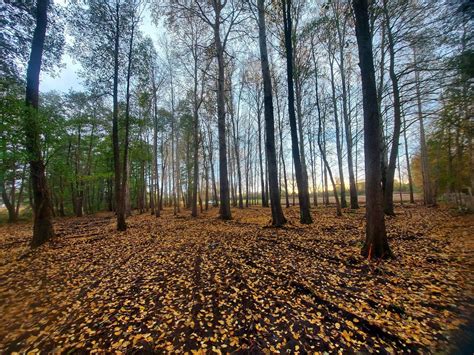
(182, 284)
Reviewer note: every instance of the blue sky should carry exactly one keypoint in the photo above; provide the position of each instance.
(66, 78)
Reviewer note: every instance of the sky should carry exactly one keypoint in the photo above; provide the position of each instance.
(66, 78)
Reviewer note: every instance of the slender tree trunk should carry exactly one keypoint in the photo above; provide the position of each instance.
(400, 180)
(322, 149)
(338, 136)
(9, 204)
(235, 134)
(303, 194)
(20, 194)
(156, 190)
(194, 212)
(42, 208)
(425, 168)
(392, 163)
(407, 158)
(224, 211)
(119, 207)
(280, 132)
(163, 175)
(376, 244)
(278, 219)
(125, 193)
(206, 172)
(299, 117)
(347, 122)
(260, 155)
(313, 168)
(247, 171)
(78, 201)
(215, 201)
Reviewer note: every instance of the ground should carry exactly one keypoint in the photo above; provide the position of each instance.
(182, 284)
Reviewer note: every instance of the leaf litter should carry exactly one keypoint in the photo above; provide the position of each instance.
(204, 285)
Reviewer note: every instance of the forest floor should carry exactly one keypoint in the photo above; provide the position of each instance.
(182, 284)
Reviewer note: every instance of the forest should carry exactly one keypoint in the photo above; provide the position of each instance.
(236, 176)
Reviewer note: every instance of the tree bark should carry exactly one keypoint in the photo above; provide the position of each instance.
(322, 149)
(282, 156)
(235, 132)
(125, 193)
(260, 154)
(388, 185)
(278, 219)
(119, 207)
(42, 208)
(347, 126)
(428, 197)
(194, 212)
(155, 192)
(376, 244)
(224, 210)
(338, 136)
(303, 194)
(407, 158)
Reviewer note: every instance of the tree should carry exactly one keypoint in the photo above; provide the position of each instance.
(13, 160)
(190, 30)
(101, 29)
(388, 181)
(18, 19)
(341, 18)
(222, 17)
(303, 193)
(376, 244)
(428, 195)
(321, 145)
(278, 218)
(42, 208)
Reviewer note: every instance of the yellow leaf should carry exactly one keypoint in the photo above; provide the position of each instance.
(346, 336)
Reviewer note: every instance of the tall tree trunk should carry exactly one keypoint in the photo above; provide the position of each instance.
(338, 135)
(236, 137)
(194, 212)
(155, 192)
(322, 149)
(407, 158)
(125, 193)
(206, 172)
(392, 163)
(9, 204)
(163, 175)
(341, 32)
(400, 192)
(376, 244)
(278, 219)
(260, 155)
(20, 194)
(42, 208)
(303, 194)
(247, 170)
(119, 206)
(299, 121)
(282, 157)
(425, 167)
(79, 185)
(224, 210)
(215, 201)
(313, 168)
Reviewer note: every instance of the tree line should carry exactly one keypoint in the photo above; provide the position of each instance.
(238, 103)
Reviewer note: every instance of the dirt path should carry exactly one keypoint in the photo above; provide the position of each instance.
(185, 284)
